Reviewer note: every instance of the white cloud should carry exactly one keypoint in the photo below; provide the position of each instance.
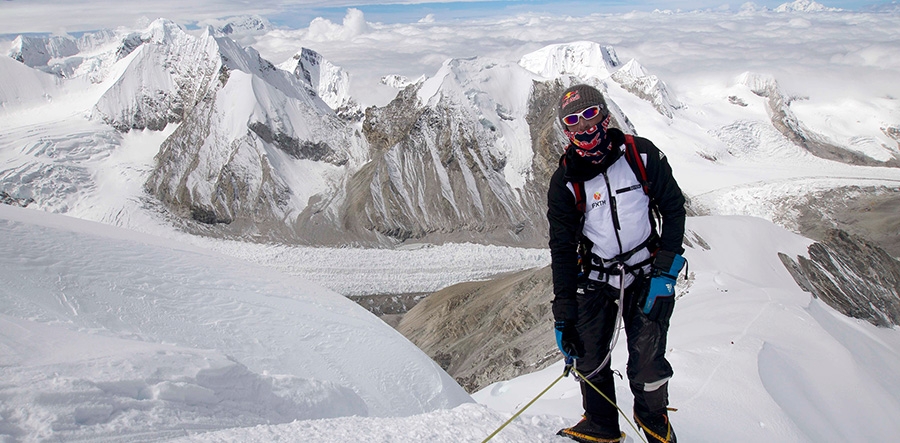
(354, 25)
(809, 53)
(686, 50)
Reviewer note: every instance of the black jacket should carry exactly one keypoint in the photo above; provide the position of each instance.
(566, 221)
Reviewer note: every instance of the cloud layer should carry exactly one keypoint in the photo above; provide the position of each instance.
(827, 55)
(819, 55)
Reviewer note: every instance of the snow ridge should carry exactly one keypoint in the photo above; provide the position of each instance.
(186, 331)
(804, 6)
(330, 82)
(580, 59)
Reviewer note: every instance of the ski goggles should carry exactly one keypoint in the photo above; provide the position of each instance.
(587, 114)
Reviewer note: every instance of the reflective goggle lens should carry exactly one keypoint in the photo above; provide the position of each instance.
(587, 114)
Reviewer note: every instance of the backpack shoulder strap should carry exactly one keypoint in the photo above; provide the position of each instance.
(640, 172)
(578, 187)
(636, 162)
(579, 196)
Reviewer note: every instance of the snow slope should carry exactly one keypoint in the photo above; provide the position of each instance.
(107, 334)
(755, 358)
(102, 326)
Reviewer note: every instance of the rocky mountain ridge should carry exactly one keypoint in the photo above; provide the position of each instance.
(853, 276)
(459, 156)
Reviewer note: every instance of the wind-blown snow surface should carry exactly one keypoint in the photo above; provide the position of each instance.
(107, 334)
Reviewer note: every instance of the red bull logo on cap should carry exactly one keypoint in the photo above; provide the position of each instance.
(570, 97)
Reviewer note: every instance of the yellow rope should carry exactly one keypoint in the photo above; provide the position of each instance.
(523, 409)
(612, 403)
(565, 373)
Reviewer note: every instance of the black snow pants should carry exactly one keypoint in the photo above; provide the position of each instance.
(647, 368)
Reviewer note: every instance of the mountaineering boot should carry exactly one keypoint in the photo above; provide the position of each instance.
(651, 412)
(587, 431)
(657, 428)
(601, 420)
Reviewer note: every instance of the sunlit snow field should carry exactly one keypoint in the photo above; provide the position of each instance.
(113, 335)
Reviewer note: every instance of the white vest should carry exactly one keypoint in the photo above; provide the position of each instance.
(616, 193)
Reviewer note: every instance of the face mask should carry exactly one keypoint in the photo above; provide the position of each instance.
(592, 142)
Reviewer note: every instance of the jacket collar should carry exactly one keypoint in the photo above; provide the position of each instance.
(579, 169)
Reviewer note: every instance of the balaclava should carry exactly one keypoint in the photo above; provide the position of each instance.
(592, 143)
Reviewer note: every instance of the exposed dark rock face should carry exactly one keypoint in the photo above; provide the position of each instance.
(129, 43)
(546, 134)
(869, 212)
(482, 332)
(7, 199)
(435, 176)
(853, 276)
(299, 149)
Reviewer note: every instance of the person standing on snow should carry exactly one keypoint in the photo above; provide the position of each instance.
(609, 260)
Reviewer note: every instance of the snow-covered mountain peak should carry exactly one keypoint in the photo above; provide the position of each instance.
(761, 84)
(804, 6)
(633, 68)
(331, 82)
(455, 149)
(468, 78)
(397, 81)
(593, 63)
(496, 95)
(163, 31)
(38, 51)
(635, 79)
(583, 59)
(239, 26)
(159, 77)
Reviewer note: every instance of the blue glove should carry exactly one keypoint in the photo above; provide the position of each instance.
(568, 340)
(660, 299)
